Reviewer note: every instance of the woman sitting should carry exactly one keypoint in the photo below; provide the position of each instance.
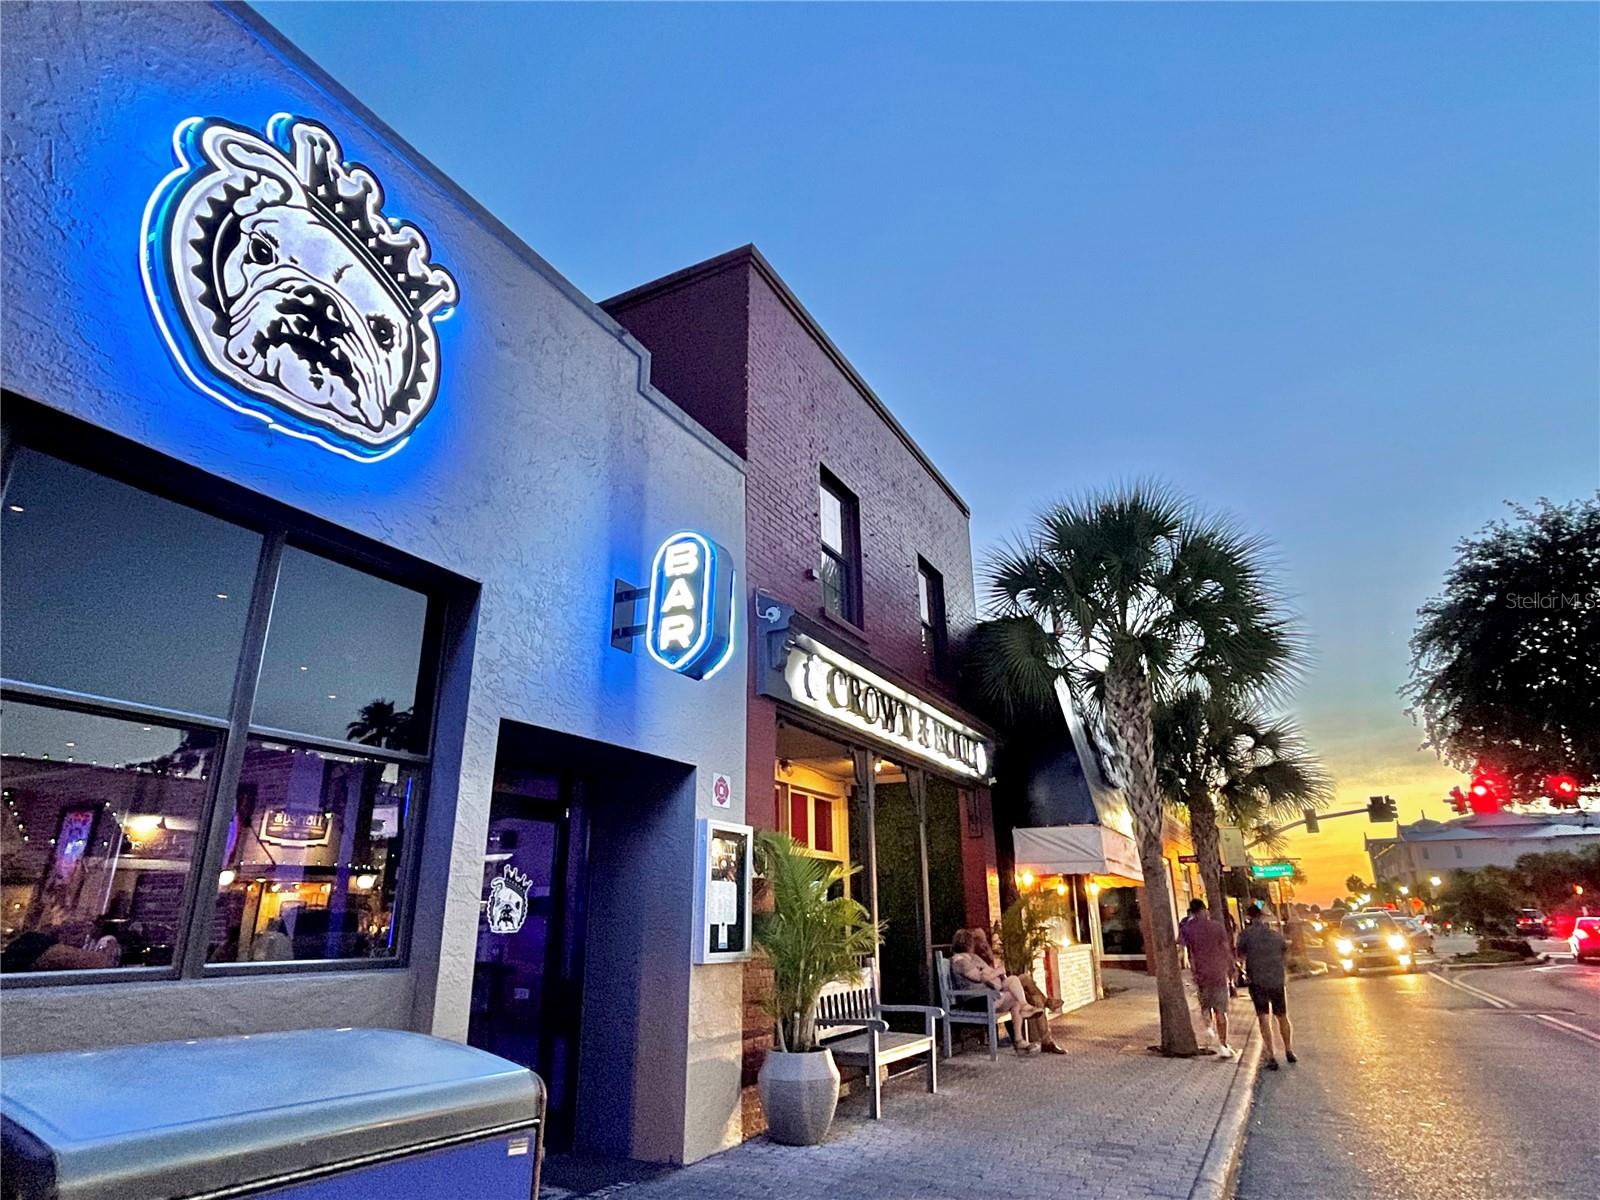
(1038, 1027)
(972, 971)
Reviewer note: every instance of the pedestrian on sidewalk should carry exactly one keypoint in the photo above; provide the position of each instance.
(1211, 955)
(1265, 955)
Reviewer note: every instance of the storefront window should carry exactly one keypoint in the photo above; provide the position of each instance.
(127, 624)
(105, 587)
(343, 655)
(313, 857)
(98, 837)
(1120, 931)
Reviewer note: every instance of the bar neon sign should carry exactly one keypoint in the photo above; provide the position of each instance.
(689, 625)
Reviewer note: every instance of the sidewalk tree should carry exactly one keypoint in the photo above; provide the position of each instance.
(1140, 596)
(1219, 754)
(1503, 667)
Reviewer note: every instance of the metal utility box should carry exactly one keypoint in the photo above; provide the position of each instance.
(323, 1114)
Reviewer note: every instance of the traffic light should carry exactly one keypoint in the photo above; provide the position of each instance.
(1458, 800)
(1489, 792)
(1381, 808)
(1562, 790)
(1311, 820)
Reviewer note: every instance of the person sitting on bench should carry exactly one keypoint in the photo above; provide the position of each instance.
(972, 971)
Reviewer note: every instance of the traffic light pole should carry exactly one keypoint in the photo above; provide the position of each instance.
(1272, 833)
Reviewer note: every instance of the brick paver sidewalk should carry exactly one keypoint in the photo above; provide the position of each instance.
(1107, 1120)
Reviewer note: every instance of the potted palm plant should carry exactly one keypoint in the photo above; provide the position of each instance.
(810, 939)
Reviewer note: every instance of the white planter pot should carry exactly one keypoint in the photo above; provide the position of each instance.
(799, 1093)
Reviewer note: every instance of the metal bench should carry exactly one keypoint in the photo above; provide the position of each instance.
(850, 1023)
(961, 1007)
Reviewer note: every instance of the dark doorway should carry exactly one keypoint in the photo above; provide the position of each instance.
(527, 986)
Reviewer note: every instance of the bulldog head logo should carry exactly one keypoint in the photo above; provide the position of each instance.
(508, 900)
(286, 292)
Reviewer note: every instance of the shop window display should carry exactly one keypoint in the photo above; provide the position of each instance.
(127, 622)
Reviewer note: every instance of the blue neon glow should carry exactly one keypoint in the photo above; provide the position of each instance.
(715, 608)
(154, 231)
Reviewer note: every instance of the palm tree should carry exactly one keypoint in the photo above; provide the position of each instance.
(811, 938)
(1142, 595)
(379, 723)
(1219, 752)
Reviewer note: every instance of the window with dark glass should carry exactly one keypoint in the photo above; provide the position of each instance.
(930, 610)
(841, 550)
(128, 620)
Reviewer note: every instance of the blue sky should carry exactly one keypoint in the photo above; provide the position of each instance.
(1333, 269)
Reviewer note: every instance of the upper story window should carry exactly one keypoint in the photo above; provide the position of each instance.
(214, 739)
(841, 550)
(930, 610)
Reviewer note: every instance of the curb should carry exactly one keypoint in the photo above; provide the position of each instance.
(1219, 1170)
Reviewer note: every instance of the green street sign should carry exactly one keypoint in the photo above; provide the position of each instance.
(1272, 870)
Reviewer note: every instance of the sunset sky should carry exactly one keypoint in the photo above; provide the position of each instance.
(1328, 268)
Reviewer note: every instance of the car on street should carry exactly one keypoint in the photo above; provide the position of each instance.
(1417, 933)
(1585, 940)
(1532, 923)
(1373, 939)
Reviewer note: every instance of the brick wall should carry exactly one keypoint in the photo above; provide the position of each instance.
(730, 344)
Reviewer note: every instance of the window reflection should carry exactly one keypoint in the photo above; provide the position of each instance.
(107, 588)
(344, 652)
(313, 857)
(99, 829)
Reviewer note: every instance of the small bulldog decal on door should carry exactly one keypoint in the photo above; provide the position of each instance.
(507, 906)
(286, 292)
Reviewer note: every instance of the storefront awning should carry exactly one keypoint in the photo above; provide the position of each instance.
(1076, 850)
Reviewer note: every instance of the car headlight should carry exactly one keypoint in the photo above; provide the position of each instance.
(1345, 945)
(1396, 942)
(1318, 926)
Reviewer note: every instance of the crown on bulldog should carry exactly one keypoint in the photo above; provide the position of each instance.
(353, 200)
(523, 883)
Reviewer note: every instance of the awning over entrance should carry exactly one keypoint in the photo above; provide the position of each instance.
(1076, 850)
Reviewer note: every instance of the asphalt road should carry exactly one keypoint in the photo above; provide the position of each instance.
(1410, 1087)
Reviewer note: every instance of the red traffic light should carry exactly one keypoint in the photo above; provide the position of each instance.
(1562, 790)
(1489, 791)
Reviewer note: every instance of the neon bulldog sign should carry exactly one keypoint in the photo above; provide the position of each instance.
(285, 292)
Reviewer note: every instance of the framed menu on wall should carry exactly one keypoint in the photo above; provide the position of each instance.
(722, 892)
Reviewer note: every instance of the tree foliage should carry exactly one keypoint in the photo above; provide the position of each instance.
(1505, 666)
(1131, 595)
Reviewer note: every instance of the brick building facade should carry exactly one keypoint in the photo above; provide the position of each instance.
(732, 345)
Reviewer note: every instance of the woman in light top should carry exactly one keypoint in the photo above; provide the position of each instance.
(972, 971)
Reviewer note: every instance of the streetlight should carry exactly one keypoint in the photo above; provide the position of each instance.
(1404, 890)
(1435, 880)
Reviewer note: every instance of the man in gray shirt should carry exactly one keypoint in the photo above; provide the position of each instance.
(1264, 953)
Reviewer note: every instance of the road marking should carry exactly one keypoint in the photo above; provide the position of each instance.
(1487, 997)
(1568, 1026)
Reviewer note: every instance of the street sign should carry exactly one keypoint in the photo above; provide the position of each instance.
(1191, 859)
(1233, 852)
(1272, 870)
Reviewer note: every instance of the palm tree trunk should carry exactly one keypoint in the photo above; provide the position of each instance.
(1208, 850)
(1131, 707)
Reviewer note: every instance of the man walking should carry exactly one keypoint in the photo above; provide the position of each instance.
(1211, 955)
(1265, 953)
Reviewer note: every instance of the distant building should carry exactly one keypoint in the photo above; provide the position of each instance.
(1427, 848)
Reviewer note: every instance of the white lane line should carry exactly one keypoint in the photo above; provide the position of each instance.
(1569, 1027)
(1487, 997)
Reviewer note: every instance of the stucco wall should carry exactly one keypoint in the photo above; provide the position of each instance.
(547, 468)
